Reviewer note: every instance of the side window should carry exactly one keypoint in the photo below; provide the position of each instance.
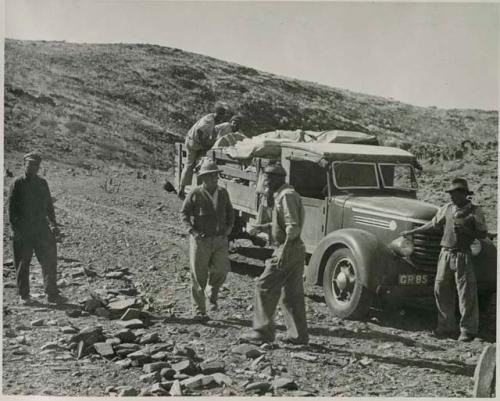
(309, 179)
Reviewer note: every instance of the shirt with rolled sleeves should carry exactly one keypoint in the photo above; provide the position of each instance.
(202, 134)
(211, 215)
(472, 217)
(30, 204)
(288, 215)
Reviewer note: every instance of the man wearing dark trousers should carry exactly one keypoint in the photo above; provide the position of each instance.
(283, 275)
(33, 228)
(462, 223)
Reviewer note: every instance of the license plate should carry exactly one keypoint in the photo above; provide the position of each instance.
(414, 279)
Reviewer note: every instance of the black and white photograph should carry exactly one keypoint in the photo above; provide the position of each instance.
(250, 198)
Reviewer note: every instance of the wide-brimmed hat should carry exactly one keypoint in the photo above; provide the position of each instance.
(33, 157)
(459, 184)
(208, 166)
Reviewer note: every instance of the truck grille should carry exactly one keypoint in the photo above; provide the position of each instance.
(426, 250)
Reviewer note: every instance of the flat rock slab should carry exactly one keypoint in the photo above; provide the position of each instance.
(176, 390)
(198, 381)
(168, 373)
(51, 345)
(248, 350)
(286, 383)
(186, 367)
(127, 391)
(160, 356)
(38, 322)
(221, 378)
(155, 367)
(149, 338)
(208, 368)
(150, 377)
(115, 275)
(102, 312)
(122, 305)
(131, 313)
(125, 335)
(128, 346)
(261, 387)
(132, 324)
(304, 356)
(113, 341)
(124, 363)
(140, 355)
(69, 330)
(89, 335)
(104, 349)
(158, 389)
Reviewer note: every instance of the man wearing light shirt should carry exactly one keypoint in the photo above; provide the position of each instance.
(282, 276)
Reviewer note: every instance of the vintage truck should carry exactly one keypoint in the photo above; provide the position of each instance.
(357, 200)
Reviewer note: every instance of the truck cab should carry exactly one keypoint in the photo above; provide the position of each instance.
(357, 200)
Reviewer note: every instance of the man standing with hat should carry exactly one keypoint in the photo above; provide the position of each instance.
(33, 226)
(462, 223)
(200, 138)
(208, 215)
(282, 277)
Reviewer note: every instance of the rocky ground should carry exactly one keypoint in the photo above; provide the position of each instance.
(127, 330)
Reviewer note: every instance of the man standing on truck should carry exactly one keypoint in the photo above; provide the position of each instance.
(462, 223)
(229, 133)
(209, 218)
(200, 138)
(33, 226)
(282, 276)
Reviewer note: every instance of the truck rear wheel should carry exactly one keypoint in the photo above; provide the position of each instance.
(345, 295)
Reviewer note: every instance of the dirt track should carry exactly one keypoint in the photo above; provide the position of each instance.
(137, 230)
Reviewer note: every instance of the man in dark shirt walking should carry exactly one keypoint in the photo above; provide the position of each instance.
(33, 227)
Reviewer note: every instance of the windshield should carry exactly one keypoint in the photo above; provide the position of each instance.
(355, 175)
(400, 176)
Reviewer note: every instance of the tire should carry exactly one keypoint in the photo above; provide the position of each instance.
(346, 297)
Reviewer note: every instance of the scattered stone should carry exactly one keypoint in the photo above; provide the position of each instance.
(114, 275)
(154, 348)
(91, 304)
(81, 350)
(248, 350)
(113, 341)
(183, 350)
(132, 324)
(128, 291)
(303, 394)
(130, 347)
(150, 377)
(52, 323)
(208, 368)
(186, 367)
(109, 389)
(38, 322)
(285, 383)
(124, 363)
(131, 313)
(176, 390)
(145, 392)
(141, 356)
(181, 376)
(304, 356)
(198, 381)
(9, 263)
(260, 387)
(69, 330)
(90, 335)
(157, 389)
(168, 373)
(365, 362)
(51, 345)
(102, 312)
(149, 338)
(127, 391)
(62, 283)
(155, 367)
(159, 356)
(104, 349)
(125, 335)
(73, 312)
(255, 362)
(221, 378)
(122, 305)
(268, 371)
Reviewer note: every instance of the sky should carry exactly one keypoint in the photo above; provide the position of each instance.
(426, 54)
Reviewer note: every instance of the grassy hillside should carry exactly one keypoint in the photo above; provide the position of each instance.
(127, 102)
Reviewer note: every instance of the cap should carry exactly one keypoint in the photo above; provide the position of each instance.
(34, 157)
(459, 184)
(208, 166)
(236, 118)
(275, 169)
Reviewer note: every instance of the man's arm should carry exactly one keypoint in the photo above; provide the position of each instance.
(291, 206)
(187, 212)
(13, 200)
(229, 214)
(51, 214)
(437, 221)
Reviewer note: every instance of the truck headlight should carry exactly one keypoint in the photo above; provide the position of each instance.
(475, 247)
(402, 246)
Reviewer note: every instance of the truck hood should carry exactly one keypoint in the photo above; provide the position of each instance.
(393, 207)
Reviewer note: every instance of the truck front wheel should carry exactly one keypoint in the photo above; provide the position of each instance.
(345, 295)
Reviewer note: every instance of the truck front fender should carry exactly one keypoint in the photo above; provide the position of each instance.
(366, 248)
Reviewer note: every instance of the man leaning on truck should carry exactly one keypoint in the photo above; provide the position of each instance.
(208, 215)
(462, 223)
(282, 276)
(199, 140)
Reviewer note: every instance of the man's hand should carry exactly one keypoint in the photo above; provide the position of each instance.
(56, 232)
(196, 234)
(406, 233)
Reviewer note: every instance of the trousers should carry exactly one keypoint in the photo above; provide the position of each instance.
(285, 283)
(209, 263)
(43, 243)
(192, 158)
(455, 274)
